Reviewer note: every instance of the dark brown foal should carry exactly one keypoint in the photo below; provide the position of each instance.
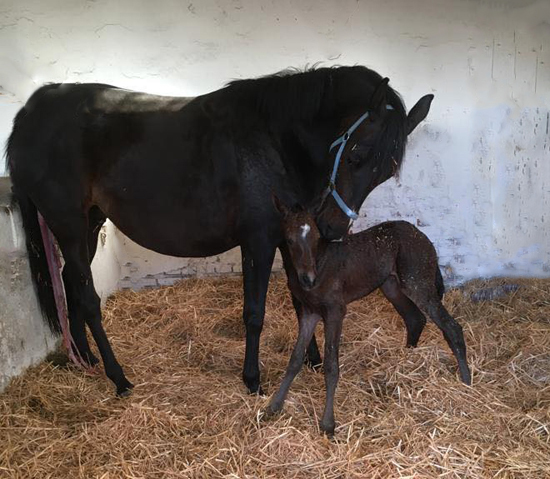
(394, 256)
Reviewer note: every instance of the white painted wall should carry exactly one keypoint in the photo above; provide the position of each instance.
(24, 337)
(477, 173)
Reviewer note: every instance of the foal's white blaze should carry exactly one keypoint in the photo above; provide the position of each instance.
(305, 230)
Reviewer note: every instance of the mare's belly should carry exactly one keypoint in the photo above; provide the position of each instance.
(174, 217)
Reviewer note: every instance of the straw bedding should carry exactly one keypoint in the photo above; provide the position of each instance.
(400, 412)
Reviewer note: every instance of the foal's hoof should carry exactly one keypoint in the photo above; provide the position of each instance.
(271, 411)
(327, 429)
(466, 377)
(125, 389)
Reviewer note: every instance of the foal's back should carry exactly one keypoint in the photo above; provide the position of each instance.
(391, 248)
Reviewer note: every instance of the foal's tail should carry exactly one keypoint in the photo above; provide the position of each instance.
(38, 262)
(440, 286)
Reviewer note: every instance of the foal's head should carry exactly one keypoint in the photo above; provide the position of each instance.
(302, 239)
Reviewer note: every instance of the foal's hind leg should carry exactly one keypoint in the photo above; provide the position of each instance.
(429, 302)
(413, 317)
(85, 304)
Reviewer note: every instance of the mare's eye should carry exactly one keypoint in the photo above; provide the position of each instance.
(354, 160)
(290, 241)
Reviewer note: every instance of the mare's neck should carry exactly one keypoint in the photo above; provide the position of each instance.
(307, 158)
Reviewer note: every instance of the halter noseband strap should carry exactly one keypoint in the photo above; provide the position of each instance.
(342, 140)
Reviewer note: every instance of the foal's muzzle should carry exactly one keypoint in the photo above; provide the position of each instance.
(307, 280)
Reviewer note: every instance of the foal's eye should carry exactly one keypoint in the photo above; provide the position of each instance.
(290, 241)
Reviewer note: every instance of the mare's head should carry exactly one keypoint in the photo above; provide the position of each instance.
(370, 154)
(302, 239)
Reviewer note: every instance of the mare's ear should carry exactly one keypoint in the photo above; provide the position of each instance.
(378, 100)
(279, 205)
(418, 112)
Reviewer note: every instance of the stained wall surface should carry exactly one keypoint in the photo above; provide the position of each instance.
(476, 177)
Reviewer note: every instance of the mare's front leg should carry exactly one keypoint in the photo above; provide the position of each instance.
(307, 322)
(257, 259)
(333, 330)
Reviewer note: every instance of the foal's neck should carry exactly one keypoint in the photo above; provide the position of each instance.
(325, 252)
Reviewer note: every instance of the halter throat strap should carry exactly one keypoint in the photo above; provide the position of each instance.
(342, 141)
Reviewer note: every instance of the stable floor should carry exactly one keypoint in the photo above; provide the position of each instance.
(400, 412)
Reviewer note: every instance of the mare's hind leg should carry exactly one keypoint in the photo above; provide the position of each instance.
(96, 218)
(412, 316)
(427, 299)
(77, 323)
(72, 235)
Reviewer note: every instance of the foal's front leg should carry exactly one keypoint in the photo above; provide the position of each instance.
(312, 357)
(333, 331)
(307, 322)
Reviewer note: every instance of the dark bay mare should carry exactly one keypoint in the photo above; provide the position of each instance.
(193, 177)
(394, 256)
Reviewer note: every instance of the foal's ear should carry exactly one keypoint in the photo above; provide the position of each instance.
(378, 99)
(418, 112)
(279, 205)
(315, 207)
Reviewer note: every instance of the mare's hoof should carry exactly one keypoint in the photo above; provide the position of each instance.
(259, 391)
(254, 386)
(315, 363)
(91, 360)
(124, 394)
(125, 389)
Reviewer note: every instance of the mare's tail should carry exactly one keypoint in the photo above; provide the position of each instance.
(35, 246)
(37, 259)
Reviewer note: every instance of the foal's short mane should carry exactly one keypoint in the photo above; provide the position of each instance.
(304, 95)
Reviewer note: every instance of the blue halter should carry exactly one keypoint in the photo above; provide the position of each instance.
(342, 140)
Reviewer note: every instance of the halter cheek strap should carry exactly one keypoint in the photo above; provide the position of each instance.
(342, 140)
